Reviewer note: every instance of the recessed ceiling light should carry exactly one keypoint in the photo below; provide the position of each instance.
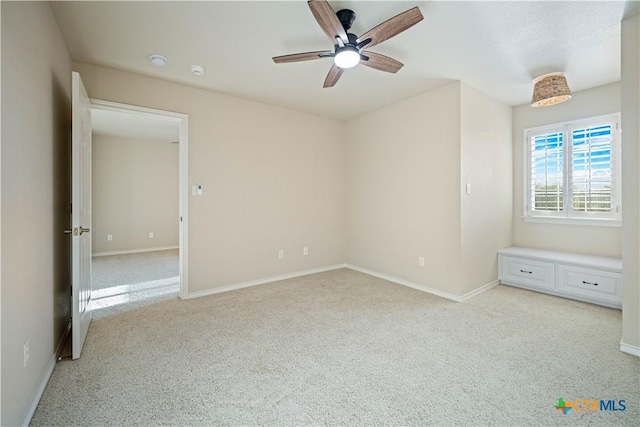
(158, 60)
(198, 70)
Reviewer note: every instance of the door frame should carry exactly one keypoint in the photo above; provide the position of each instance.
(183, 174)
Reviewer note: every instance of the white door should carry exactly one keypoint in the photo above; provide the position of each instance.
(80, 214)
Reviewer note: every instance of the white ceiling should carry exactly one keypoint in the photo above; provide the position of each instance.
(497, 47)
(133, 126)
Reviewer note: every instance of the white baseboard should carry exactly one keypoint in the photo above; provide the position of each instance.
(399, 281)
(406, 283)
(423, 288)
(480, 290)
(135, 251)
(45, 380)
(38, 394)
(262, 281)
(631, 349)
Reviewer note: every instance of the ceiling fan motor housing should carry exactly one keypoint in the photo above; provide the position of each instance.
(346, 18)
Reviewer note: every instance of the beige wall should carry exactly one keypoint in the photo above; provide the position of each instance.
(135, 192)
(486, 164)
(630, 88)
(402, 189)
(273, 179)
(596, 240)
(36, 86)
(406, 167)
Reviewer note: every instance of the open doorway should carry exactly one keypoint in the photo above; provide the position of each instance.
(138, 207)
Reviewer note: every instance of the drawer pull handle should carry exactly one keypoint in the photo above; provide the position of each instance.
(524, 271)
(590, 283)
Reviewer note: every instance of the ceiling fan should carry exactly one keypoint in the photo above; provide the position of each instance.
(350, 50)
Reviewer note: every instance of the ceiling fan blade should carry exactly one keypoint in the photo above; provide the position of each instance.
(306, 56)
(391, 27)
(332, 78)
(328, 20)
(381, 62)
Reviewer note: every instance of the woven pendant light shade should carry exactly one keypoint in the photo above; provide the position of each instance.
(550, 89)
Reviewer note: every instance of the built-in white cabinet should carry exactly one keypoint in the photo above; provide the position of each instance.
(587, 278)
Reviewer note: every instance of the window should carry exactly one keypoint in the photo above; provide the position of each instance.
(573, 172)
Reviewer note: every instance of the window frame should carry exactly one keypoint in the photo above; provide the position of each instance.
(568, 215)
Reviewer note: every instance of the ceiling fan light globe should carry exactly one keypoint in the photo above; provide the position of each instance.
(347, 57)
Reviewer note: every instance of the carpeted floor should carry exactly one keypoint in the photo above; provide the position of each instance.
(123, 282)
(344, 348)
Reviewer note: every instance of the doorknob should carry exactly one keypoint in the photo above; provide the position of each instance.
(77, 231)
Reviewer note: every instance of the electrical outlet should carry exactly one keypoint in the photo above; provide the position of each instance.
(305, 250)
(109, 237)
(26, 352)
(280, 254)
(197, 190)
(420, 261)
(151, 235)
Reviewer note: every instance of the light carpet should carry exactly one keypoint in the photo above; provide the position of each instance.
(345, 348)
(124, 282)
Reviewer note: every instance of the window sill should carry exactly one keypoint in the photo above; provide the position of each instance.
(573, 221)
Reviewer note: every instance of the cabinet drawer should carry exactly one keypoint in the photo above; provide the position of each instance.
(527, 272)
(585, 282)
